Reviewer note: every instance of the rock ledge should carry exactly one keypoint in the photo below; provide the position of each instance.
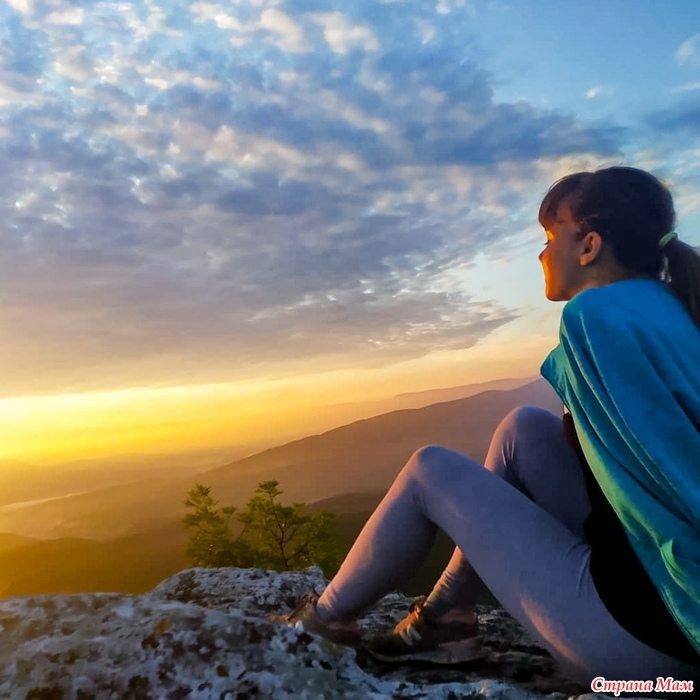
(203, 634)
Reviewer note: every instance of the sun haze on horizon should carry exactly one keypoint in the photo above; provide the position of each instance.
(227, 224)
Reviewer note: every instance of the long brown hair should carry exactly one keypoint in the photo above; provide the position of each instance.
(632, 210)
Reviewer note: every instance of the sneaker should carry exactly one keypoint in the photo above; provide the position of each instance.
(306, 618)
(418, 638)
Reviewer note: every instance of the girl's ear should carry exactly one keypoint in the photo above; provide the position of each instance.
(591, 245)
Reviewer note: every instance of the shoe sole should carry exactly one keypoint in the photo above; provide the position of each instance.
(448, 654)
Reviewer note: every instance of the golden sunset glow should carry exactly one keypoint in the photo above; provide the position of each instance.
(72, 426)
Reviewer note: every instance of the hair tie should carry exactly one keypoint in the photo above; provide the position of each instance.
(667, 238)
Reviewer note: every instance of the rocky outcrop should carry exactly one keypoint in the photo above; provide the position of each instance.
(203, 634)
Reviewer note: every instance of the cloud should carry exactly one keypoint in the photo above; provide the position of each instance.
(178, 205)
(343, 36)
(689, 87)
(73, 63)
(688, 50)
(598, 91)
(25, 7)
(291, 34)
(445, 7)
(73, 16)
(287, 32)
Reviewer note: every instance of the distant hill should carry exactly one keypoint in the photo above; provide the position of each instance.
(133, 564)
(349, 502)
(137, 563)
(368, 454)
(363, 456)
(420, 399)
(9, 542)
(453, 393)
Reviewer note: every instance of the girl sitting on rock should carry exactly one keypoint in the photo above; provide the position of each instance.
(586, 529)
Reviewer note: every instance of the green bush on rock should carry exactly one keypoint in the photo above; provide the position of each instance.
(270, 535)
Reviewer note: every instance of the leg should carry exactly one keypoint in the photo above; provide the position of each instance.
(535, 565)
(528, 450)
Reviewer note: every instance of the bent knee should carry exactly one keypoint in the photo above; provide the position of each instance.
(430, 455)
(527, 420)
(437, 462)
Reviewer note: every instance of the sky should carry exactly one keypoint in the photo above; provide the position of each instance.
(219, 220)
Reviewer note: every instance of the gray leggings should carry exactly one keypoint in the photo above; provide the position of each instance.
(518, 524)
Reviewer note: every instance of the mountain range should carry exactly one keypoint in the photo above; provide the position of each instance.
(129, 536)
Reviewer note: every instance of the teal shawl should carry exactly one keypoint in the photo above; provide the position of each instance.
(627, 367)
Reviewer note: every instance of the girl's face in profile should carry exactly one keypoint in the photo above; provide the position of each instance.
(560, 259)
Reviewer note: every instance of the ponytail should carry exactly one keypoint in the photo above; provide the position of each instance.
(684, 275)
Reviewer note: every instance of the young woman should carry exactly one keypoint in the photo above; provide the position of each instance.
(586, 529)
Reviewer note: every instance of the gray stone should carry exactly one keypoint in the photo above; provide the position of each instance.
(204, 634)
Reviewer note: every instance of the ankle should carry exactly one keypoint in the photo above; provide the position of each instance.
(326, 614)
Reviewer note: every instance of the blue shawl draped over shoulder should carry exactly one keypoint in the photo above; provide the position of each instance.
(627, 367)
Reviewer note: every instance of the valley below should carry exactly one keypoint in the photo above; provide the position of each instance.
(127, 537)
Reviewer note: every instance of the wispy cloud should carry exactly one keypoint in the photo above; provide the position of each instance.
(689, 50)
(599, 91)
(689, 87)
